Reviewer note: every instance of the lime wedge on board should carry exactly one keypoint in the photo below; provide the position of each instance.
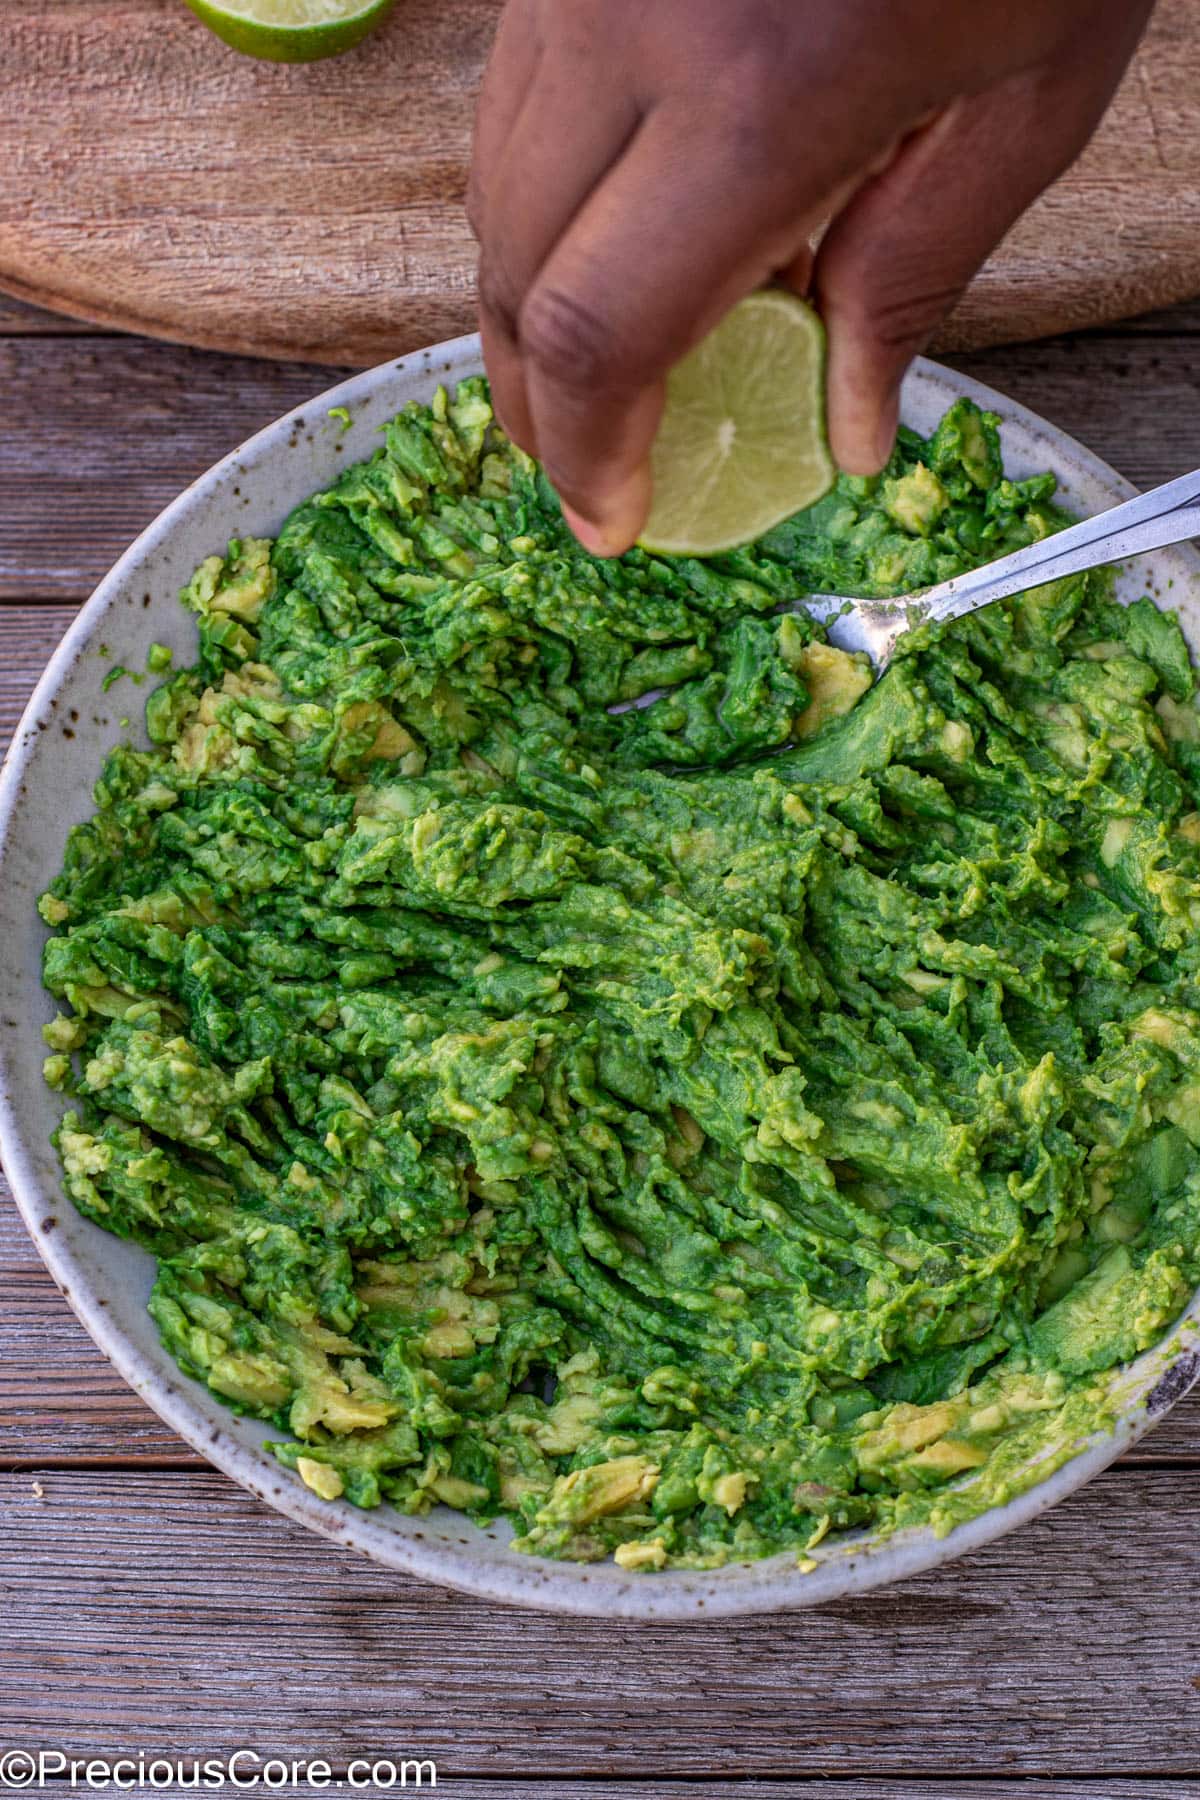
(292, 30)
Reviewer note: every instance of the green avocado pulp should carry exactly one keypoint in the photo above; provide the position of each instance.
(686, 1132)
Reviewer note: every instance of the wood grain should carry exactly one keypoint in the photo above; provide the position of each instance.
(18, 318)
(28, 635)
(98, 434)
(61, 1402)
(1169, 321)
(137, 1591)
(1135, 401)
(926, 1784)
(1124, 217)
(158, 182)
(163, 183)
(929, 1782)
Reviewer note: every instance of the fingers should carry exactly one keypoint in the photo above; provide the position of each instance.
(896, 260)
(614, 230)
(554, 155)
(507, 80)
(619, 219)
(660, 250)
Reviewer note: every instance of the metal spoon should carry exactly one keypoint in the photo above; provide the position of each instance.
(1165, 515)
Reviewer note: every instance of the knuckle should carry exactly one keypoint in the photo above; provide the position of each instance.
(750, 84)
(474, 206)
(884, 293)
(903, 321)
(757, 143)
(754, 148)
(498, 297)
(571, 342)
(755, 78)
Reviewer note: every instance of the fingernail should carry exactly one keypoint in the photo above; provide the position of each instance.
(594, 538)
(622, 515)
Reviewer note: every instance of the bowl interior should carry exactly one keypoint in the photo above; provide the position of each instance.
(46, 787)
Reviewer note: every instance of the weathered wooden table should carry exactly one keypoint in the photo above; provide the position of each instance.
(150, 1605)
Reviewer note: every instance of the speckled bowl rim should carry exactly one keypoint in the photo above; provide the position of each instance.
(443, 1547)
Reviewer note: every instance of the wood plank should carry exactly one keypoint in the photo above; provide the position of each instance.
(1134, 399)
(317, 211)
(97, 435)
(930, 1784)
(167, 1608)
(1183, 319)
(28, 638)
(1038, 279)
(19, 319)
(60, 1400)
(172, 1610)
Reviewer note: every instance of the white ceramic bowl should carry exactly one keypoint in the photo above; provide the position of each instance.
(46, 786)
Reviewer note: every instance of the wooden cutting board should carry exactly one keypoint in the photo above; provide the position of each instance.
(152, 179)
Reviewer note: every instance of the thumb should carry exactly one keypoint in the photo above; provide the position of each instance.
(896, 259)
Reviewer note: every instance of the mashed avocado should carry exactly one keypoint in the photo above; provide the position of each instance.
(686, 1132)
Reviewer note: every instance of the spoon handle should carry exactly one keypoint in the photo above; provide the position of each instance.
(1165, 515)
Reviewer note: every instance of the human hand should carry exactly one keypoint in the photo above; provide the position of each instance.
(641, 165)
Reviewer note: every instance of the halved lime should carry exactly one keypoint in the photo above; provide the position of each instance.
(742, 441)
(292, 30)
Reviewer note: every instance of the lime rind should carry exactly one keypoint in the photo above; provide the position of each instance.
(292, 31)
